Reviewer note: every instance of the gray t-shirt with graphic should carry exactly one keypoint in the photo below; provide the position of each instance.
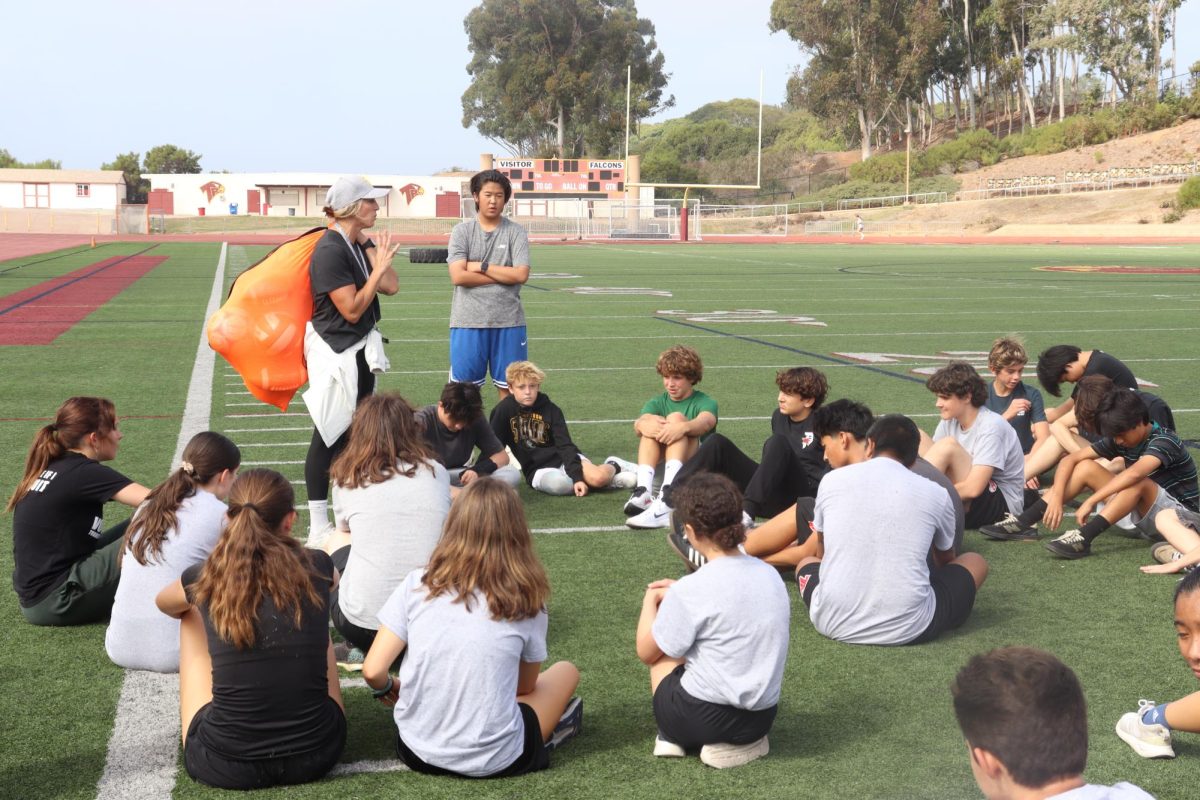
(496, 305)
(992, 442)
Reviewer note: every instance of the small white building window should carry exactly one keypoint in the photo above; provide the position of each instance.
(83, 190)
(37, 195)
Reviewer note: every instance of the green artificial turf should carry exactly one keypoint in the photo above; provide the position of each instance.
(858, 722)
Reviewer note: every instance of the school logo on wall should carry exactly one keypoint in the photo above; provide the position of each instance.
(411, 190)
(212, 189)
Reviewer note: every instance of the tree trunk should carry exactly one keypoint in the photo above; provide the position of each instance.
(864, 131)
(1062, 100)
(1024, 92)
(970, 61)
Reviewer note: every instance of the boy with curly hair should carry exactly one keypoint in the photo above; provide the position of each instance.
(670, 429)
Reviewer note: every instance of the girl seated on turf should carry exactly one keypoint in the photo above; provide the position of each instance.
(471, 699)
(177, 526)
(1148, 730)
(715, 640)
(66, 563)
(259, 697)
(390, 498)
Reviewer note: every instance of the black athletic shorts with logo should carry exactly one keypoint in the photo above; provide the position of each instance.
(989, 507)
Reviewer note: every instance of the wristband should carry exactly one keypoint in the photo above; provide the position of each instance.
(377, 693)
(483, 267)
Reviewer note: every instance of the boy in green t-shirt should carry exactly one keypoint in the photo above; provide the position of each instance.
(669, 430)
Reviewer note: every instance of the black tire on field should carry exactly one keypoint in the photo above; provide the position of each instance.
(427, 255)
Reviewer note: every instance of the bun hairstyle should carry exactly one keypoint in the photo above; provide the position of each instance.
(712, 505)
(76, 418)
(206, 456)
(256, 557)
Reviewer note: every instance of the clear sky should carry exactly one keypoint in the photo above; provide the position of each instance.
(296, 85)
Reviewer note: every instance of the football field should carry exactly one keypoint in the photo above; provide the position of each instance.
(124, 321)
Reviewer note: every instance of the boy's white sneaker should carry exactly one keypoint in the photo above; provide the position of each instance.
(723, 756)
(625, 476)
(1148, 741)
(658, 515)
(665, 749)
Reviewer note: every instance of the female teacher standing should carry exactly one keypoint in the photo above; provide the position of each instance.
(342, 344)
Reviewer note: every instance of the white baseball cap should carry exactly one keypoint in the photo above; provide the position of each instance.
(349, 189)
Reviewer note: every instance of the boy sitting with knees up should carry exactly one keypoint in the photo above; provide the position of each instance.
(1066, 362)
(669, 431)
(1023, 715)
(454, 426)
(975, 447)
(1016, 401)
(536, 430)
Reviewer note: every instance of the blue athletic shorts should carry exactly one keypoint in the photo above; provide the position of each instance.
(473, 349)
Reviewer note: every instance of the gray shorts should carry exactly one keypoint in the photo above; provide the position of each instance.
(1164, 502)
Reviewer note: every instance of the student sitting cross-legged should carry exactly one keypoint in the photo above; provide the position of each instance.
(716, 641)
(1024, 717)
(471, 698)
(876, 523)
(454, 427)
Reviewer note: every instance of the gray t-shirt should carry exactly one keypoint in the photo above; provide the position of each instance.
(139, 636)
(1095, 791)
(927, 470)
(730, 620)
(992, 442)
(454, 448)
(497, 305)
(394, 526)
(878, 520)
(457, 707)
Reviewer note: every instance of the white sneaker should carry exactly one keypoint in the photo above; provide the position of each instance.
(658, 515)
(1148, 741)
(641, 499)
(625, 476)
(665, 749)
(317, 539)
(748, 521)
(723, 756)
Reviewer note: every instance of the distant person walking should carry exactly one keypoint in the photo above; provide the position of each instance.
(860, 226)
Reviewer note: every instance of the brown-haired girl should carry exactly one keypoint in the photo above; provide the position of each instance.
(66, 563)
(469, 697)
(390, 497)
(177, 526)
(716, 640)
(258, 689)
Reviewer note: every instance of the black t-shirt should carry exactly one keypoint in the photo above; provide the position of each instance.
(271, 699)
(333, 266)
(58, 521)
(1101, 363)
(454, 448)
(805, 445)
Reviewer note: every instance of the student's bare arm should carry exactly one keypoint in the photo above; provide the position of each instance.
(384, 651)
(462, 274)
(1132, 475)
(1041, 432)
(674, 431)
(943, 557)
(1062, 476)
(1054, 413)
(172, 600)
(509, 276)
(132, 495)
(647, 649)
(649, 425)
(527, 675)
(976, 481)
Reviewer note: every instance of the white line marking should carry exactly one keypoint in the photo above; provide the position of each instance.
(591, 529)
(266, 430)
(362, 767)
(141, 760)
(276, 444)
(269, 414)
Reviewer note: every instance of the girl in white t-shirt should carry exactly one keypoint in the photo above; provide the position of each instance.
(177, 526)
(715, 640)
(471, 698)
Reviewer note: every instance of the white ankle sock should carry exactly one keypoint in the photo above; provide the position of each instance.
(670, 470)
(645, 476)
(318, 516)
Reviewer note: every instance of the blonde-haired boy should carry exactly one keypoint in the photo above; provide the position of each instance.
(535, 429)
(1012, 398)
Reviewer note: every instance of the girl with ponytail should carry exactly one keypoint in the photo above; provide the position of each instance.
(259, 697)
(66, 563)
(177, 526)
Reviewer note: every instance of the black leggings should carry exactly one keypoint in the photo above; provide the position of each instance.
(320, 456)
(769, 487)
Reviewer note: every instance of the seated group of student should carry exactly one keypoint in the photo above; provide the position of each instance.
(433, 560)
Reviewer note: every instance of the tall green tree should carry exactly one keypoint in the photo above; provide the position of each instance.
(7, 161)
(548, 76)
(137, 188)
(169, 159)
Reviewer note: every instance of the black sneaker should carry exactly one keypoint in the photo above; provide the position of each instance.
(664, 494)
(569, 725)
(1070, 545)
(679, 543)
(638, 501)
(1010, 529)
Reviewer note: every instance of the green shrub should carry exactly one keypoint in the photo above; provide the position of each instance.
(1189, 194)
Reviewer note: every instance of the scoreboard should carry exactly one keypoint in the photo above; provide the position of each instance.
(579, 177)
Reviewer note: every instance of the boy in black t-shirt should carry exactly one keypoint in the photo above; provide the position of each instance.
(1066, 362)
(454, 427)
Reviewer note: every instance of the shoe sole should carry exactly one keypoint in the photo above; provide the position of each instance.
(1142, 748)
(665, 523)
(1001, 536)
(665, 749)
(632, 510)
(682, 555)
(573, 716)
(726, 756)
(1070, 555)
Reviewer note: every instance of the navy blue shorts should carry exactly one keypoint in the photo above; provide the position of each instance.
(472, 350)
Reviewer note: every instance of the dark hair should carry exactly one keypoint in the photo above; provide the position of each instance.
(1052, 363)
(490, 176)
(1089, 392)
(76, 418)
(960, 379)
(803, 382)
(1026, 708)
(842, 415)
(1189, 584)
(205, 457)
(712, 505)
(461, 401)
(896, 435)
(1120, 410)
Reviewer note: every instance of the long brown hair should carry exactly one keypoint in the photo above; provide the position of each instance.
(486, 546)
(204, 458)
(76, 418)
(256, 557)
(384, 434)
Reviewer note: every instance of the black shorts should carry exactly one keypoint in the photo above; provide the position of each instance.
(217, 769)
(954, 597)
(534, 756)
(807, 578)
(358, 636)
(692, 723)
(806, 509)
(989, 507)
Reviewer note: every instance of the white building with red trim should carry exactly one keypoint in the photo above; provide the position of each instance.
(62, 189)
